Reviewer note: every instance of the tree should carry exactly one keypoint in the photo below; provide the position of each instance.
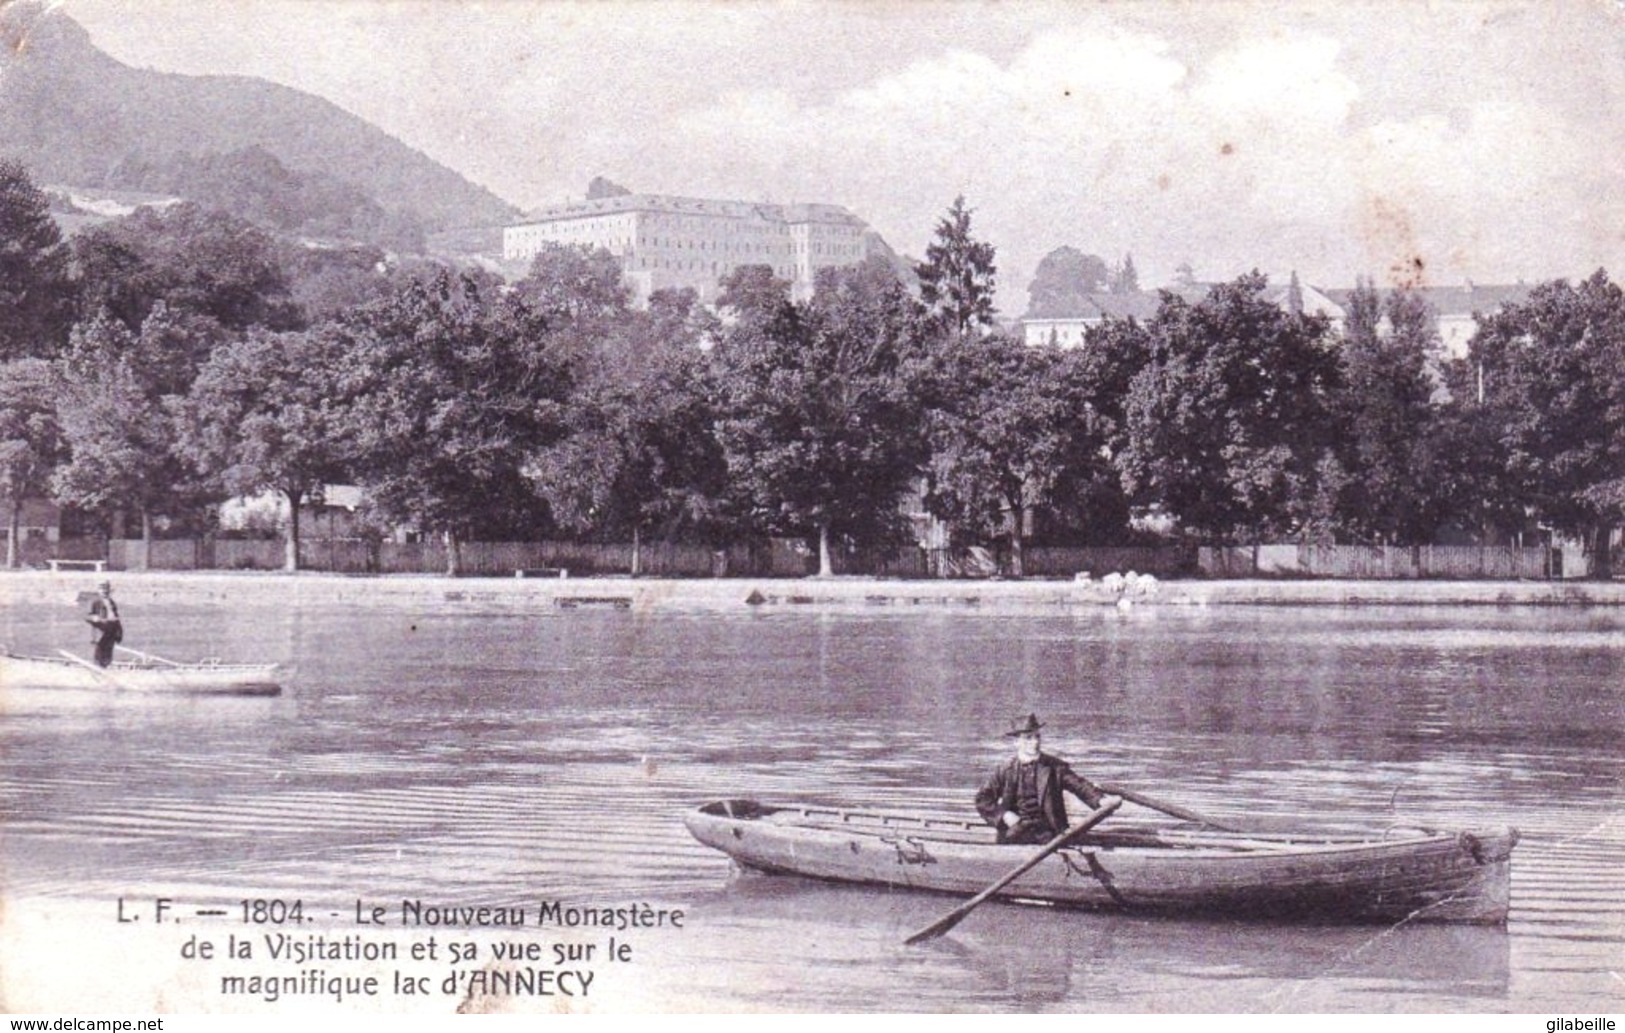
(756, 300)
(325, 283)
(1385, 404)
(120, 433)
(575, 285)
(171, 347)
(819, 422)
(958, 275)
(600, 187)
(1126, 280)
(639, 449)
(1467, 466)
(190, 258)
(1553, 376)
(999, 440)
(1294, 295)
(1095, 382)
(1063, 281)
(255, 185)
(1228, 426)
(36, 289)
(269, 412)
(456, 389)
(31, 445)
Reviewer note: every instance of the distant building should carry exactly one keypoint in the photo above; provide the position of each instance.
(41, 520)
(1066, 329)
(335, 516)
(676, 242)
(39, 533)
(1458, 308)
(1311, 301)
(1289, 296)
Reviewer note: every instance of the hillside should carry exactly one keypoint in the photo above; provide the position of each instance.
(76, 116)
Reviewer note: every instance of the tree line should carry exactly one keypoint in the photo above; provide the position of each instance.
(162, 363)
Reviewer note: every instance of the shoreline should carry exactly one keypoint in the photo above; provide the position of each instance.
(779, 595)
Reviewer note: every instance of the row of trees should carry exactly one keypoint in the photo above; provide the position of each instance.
(165, 362)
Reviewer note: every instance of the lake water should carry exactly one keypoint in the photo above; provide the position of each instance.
(463, 758)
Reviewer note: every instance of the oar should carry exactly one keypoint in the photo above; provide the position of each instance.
(953, 918)
(148, 656)
(97, 671)
(1167, 808)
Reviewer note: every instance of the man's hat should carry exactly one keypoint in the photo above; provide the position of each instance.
(1023, 726)
(104, 584)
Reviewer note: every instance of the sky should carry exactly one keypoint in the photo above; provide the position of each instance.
(1400, 140)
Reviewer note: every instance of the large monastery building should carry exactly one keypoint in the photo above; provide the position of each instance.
(676, 242)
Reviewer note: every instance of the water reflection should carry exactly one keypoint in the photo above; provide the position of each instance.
(477, 756)
(1053, 958)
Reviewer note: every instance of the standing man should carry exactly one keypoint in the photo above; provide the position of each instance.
(104, 618)
(1022, 798)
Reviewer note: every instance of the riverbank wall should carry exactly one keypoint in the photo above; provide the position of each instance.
(770, 595)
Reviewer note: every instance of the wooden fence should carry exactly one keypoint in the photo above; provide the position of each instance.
(789, 558)
(1387, 563)
(39, 552)
(354, 556)
(1161, 560)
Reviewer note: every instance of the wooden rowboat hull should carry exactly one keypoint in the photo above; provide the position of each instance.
(207, 679)
(1415, 876)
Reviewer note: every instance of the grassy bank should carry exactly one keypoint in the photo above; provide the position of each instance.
(770, 595)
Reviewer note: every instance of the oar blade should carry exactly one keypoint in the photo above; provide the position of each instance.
(940, 926)
(100, 674)
(953, 918)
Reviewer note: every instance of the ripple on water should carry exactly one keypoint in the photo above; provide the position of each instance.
(561, 758)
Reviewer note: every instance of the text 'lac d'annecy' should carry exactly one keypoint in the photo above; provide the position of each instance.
(462, 956)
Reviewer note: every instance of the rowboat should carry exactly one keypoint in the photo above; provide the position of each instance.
(1391, 876)
(209, 677)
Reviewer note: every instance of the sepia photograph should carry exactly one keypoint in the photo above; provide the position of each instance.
(812, 507)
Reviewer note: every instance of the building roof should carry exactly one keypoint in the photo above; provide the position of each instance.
(342, 496)
(1454, 301)
(1315, 301)
(1094, 308)
(793, 214)
(1276, 292)
(1142, 305)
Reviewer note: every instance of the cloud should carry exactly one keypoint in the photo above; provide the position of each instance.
(1100, 140)
(1283, 78)
(1255, 155)
(1334, 140)
(1425, 185)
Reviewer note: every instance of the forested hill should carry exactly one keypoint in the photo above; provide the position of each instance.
(75, 116)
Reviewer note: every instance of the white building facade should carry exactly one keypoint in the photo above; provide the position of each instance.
(1070, 328)
(676, 242)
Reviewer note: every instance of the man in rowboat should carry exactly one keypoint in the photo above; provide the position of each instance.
(1023, 798)
(104, 618)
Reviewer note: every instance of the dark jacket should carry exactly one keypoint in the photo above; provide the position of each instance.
(104, 618)
(1054, 776)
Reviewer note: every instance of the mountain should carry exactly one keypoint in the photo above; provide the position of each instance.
(75, 116)
(252, 183)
